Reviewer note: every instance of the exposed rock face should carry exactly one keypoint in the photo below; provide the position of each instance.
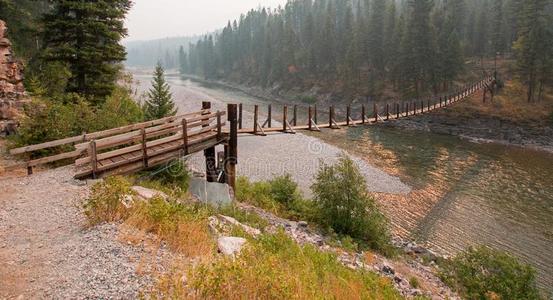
(12, 91)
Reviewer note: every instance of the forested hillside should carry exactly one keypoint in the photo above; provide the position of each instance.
(369, 47)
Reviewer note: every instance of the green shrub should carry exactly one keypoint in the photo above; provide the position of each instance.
(480, 272)
(344, 206)
(284, 190)
(280, 196)
(105, 203)
(70, 115)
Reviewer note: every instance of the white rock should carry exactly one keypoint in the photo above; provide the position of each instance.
(230, 245)
(147, 194)
(248, 229)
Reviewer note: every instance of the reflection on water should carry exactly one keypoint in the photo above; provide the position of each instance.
(466, 193)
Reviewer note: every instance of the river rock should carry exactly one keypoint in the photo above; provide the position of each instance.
(230, 246)
(147, 194)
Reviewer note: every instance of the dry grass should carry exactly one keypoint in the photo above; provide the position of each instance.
(509, 105)
(275, 267)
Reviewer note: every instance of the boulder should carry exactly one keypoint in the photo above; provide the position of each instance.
(230, 246)
(224, 225)
(216, 194)
(147, 194)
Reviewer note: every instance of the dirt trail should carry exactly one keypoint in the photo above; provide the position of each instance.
(46, 251)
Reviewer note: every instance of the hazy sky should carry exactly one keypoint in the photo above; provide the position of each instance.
(151, 19)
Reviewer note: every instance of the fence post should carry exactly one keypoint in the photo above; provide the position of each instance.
(363, 114)
(232, 157)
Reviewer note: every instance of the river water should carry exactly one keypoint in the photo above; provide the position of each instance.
(463, 193)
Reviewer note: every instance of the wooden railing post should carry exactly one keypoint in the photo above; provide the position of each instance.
(330, 116)
(375, 112)
(269, 116)
(93, 159)
(397, 110)
(295, 115)
(363, 114)
(309, 118)
(240, 116)
(144, 148)
(232, 156)
(284, 118)
(219, 125)
(315, 114)
(255, 116)
(387, 111)
(348, 114)
(185, 136)
(422, 106)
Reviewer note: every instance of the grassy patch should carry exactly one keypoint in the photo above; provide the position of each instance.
(484, 273)
(183, 227)
(172, 179)
(275, 267)
(244, 217)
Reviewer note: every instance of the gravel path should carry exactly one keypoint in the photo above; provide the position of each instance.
(262, 158)
(46, 252)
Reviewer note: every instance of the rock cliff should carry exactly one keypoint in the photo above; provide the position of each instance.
(12, 92)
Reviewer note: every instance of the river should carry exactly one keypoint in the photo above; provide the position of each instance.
(462, 193)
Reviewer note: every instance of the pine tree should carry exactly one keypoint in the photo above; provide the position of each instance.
(532, 48)
(86, 35)
(159, 103)
(183, 61)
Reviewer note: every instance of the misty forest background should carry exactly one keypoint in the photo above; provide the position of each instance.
(370, 48)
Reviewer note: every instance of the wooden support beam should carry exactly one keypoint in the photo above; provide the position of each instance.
(232, 156)
(219, 126)
(209, 154)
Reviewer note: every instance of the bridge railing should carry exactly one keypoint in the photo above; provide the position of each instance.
(253, 119)
(121, 140)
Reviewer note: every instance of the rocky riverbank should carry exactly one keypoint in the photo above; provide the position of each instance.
(481, 129)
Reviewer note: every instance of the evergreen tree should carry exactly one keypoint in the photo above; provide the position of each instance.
(159, 103)
(86, 35)
(183, 61)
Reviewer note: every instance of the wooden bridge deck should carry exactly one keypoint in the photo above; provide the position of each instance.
(144, 145)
